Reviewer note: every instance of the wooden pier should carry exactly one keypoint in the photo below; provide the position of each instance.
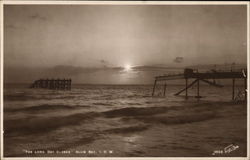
(60, 84)
(206, 77)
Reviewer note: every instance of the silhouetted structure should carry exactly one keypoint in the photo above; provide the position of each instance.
(62, 84)
(204, 77)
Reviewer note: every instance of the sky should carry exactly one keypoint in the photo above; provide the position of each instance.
(119, 44)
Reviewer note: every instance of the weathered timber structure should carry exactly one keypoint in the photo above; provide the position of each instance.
(204, 77)
(60, 84)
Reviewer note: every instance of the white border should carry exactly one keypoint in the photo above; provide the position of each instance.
(248, 110)
(126, 2)
(1, 78)
(17, 2)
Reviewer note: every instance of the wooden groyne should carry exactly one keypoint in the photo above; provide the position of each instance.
(60, 84)
(206, 77)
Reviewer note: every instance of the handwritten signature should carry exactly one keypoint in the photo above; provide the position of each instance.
(226, 150)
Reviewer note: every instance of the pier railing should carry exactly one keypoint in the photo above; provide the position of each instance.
(208, 77)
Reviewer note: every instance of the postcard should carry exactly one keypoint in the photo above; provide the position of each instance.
(161, 80)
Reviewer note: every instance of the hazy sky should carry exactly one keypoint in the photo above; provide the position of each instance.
(108, 36)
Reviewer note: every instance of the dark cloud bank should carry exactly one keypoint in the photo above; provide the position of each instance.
(102, 75)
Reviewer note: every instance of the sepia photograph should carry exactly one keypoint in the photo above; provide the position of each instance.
(124, 80)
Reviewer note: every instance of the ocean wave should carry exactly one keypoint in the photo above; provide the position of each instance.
(39, 125)
(148, 115)
(27, 97)
(134, 103)
(135, 111)
(178, 119)
(103, 104)
(18, 97)
(44, 107)
(125, 130)
(169, 115)
(150, 111)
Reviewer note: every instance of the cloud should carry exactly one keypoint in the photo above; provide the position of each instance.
(226, 66)
(11, 26)
(105, 63)
(86, 74)
(71, 70)
(38, 17)
(178, 59)
(76, 70)
(153, 68)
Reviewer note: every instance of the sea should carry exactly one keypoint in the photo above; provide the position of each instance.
(123, 121)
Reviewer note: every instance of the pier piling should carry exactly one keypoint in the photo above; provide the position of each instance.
(165, 87)
(60, 84)
(154, 88)
(233, 88)
(198, 89)
(205, 77)
(186, 87)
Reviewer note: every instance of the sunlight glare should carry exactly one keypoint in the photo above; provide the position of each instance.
(127, 67)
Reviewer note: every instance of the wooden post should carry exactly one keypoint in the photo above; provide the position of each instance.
(198, 88)
(70, 84)
(186, 88)
(190, 85)
(63, 87)
(50, 84)
(66, 84)
(53, 83)
(38, 83)
(57, 83)
(46, 83)
(154, 88)
(233, 89)
(41, 83)
(165, 87)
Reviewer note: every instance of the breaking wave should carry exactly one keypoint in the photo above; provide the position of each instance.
(124, 130)
(41, 124)
(44, 107)
(148, 115)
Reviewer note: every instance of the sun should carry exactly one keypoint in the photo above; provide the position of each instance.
(127, 67)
